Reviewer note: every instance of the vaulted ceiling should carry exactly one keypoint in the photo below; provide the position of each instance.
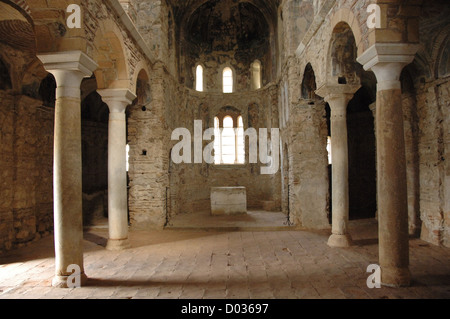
(183, 9)
(224, 25)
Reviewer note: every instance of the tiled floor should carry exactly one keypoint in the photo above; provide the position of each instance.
(225, 264)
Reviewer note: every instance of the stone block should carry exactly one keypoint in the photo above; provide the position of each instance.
(228, 200)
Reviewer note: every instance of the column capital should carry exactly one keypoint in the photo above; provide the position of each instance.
(387, 61)
(69, 68)
(338, 95)
(117, 99)
(68, 60)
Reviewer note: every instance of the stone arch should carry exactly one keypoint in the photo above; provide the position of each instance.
(442, 67)
(142, 86)
(141, 72)
(347, 16)
(309, 84)
(110, 54)
(341, 65)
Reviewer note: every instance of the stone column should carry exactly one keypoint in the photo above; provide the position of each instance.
(387, 60)
(338, 97)
(373, 109)
(117, 100)
(69, 68)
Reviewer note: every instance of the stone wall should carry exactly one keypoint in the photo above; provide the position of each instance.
(148, 138)
(190, 183)
(432, 106)
(26, 164)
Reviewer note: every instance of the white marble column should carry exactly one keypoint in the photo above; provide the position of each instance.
(69, 68)
(117, 101)
(337, 97)
(387, 60)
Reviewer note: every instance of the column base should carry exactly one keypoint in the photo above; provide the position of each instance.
(395, 277)
(336, 240)
(61, 281)
(118, 244)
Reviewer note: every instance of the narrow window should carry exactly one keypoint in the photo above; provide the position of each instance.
(227, 80)
(217, 142)
(329, 149)
(256, 75)
(199, 78)
(228, 141)
(240, 142)
(128, 156)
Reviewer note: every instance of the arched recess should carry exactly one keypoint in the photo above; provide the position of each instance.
(109, 53)
(309, 85)
(346, 16)
(142, 87)
(342, 67)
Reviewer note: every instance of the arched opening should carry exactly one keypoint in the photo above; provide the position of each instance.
(342, 67)
(256, 75)
(94, 138)
(361, 156)
(47, 91)
(229, 142)
(309, 84)
(227, 80)
(344, 70)
(199, 78)
(110, 54)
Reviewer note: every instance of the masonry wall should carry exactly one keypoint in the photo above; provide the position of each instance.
(26, 170)
(190, 184)
(432, 106)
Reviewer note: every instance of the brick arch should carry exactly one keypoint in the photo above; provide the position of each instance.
(347, 16)
(141, 72)
(110, 54)
(344, 26)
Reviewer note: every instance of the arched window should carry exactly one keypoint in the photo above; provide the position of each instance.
(229, 141)
(256, 75)
(199, 78)
(227, 79)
